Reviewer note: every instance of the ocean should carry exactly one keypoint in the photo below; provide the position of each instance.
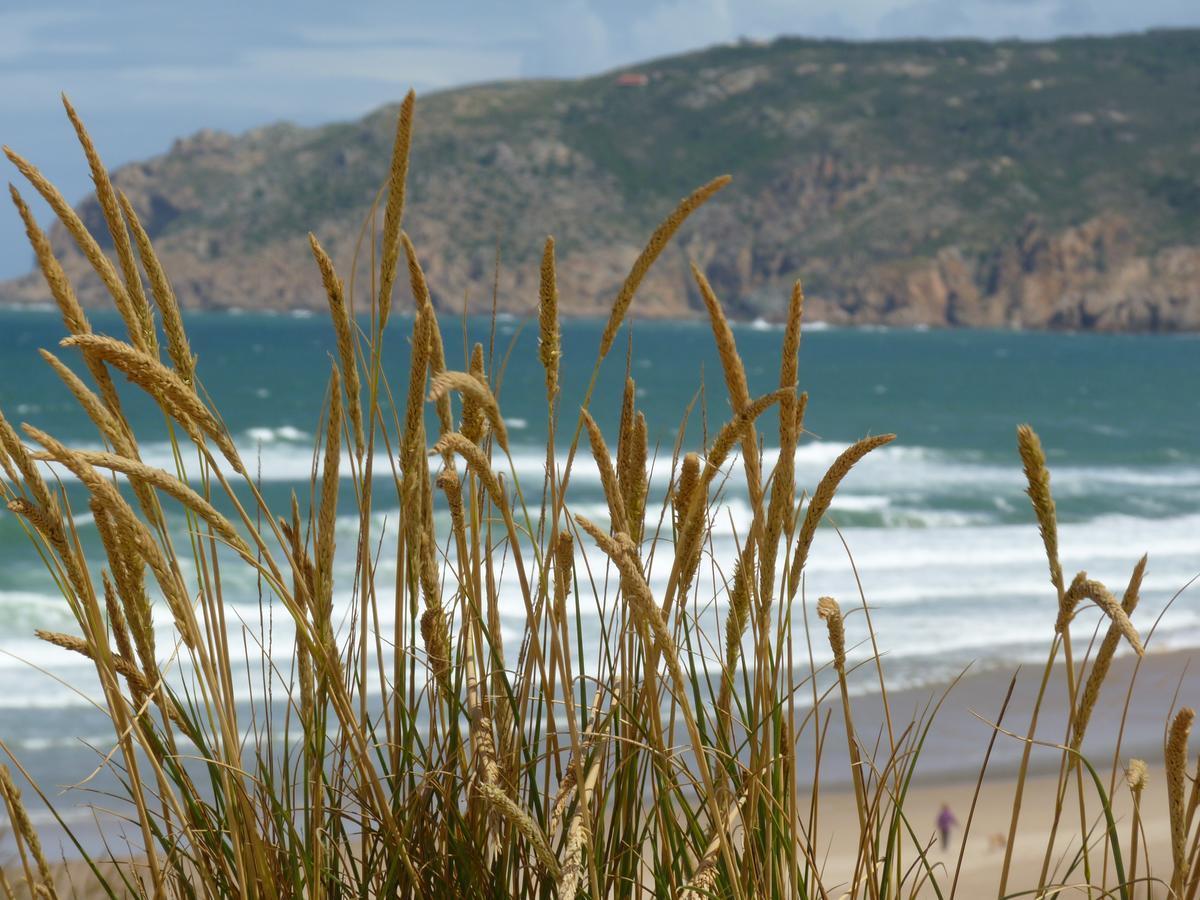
(935, 527)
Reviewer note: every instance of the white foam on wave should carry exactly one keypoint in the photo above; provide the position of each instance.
(264, 435)
(908, 486)
(930, 533)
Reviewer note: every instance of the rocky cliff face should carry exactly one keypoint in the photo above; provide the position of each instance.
(1090, 277)
(946, 184)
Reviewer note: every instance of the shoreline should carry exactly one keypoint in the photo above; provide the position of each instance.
(949, 771)
(756, 323)
(959, 734)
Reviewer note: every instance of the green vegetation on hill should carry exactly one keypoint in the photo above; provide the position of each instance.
(946, 182)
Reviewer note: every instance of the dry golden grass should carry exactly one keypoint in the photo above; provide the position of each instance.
(427, 758)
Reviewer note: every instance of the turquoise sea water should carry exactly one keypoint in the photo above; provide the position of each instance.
(937, 523)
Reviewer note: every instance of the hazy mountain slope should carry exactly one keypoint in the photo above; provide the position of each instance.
(960, 182)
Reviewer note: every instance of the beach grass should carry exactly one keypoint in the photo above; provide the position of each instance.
(441, 758)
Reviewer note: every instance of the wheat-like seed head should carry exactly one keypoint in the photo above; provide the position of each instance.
(1083, 588)
(30, 474)
(631, 460)
(685, 487)
(168, 484)
(508, 810)
(823, 496)
(549, 332)
(1108, 647)
(24, 827)
(828, 609)
(92, 405)
(113, 429)
(87, 246)
(47, 523)
(123, 664)
(564, 571)
(621, 549)
(1136, 775)
(436, 356)
(735, 380)
(731, 360)
(735, 627)
(107, 198)
(116, 619)
(64, 296)
(632, 477)
(327, 513)
(487, 769)
(304, 584)
(789, 366)
(56, 279)
(130, 528)
(178, 347)
(481, 398)
(1038, 478)
(167, 388)
(343, 329)
(474, 422)
(6, 465)
(783, 479)
(801, 408)
(690, 516)
(704, 879)
(448, 483)
(393, 212)
(608, 475)
(1176, 760)
(32, 513)
(735, 429)
(654, 247)
(413, 439)
(625, 428)
(128, 570)
(437, 644)
(476, 460)
(739, 607)
(577, 837)
(50, 528)
(572, 865)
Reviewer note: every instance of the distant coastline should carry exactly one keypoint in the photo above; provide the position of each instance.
(755, 324)
(1034, 185)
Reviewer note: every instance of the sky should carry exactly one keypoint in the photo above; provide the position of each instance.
(142, 73)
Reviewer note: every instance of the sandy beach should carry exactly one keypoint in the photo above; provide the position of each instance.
(950, 763)
(985, 848)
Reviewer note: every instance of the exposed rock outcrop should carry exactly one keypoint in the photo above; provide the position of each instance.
(907, 183)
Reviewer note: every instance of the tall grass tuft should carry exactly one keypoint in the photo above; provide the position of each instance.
(439, 755)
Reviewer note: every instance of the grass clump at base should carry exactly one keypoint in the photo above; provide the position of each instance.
(434, 757)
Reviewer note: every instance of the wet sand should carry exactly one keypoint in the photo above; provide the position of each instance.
(951, 760)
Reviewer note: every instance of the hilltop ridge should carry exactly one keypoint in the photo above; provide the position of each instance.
(946, 183)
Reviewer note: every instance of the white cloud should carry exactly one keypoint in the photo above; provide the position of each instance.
(572, 39)
(433, 66)
(677, 26)
(32, 34)
(346, 34)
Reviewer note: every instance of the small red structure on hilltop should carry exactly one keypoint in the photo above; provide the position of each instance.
(632, 79)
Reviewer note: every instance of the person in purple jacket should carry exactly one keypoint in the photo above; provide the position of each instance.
(946, 821)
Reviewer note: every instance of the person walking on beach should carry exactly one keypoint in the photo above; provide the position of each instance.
(946, 821)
